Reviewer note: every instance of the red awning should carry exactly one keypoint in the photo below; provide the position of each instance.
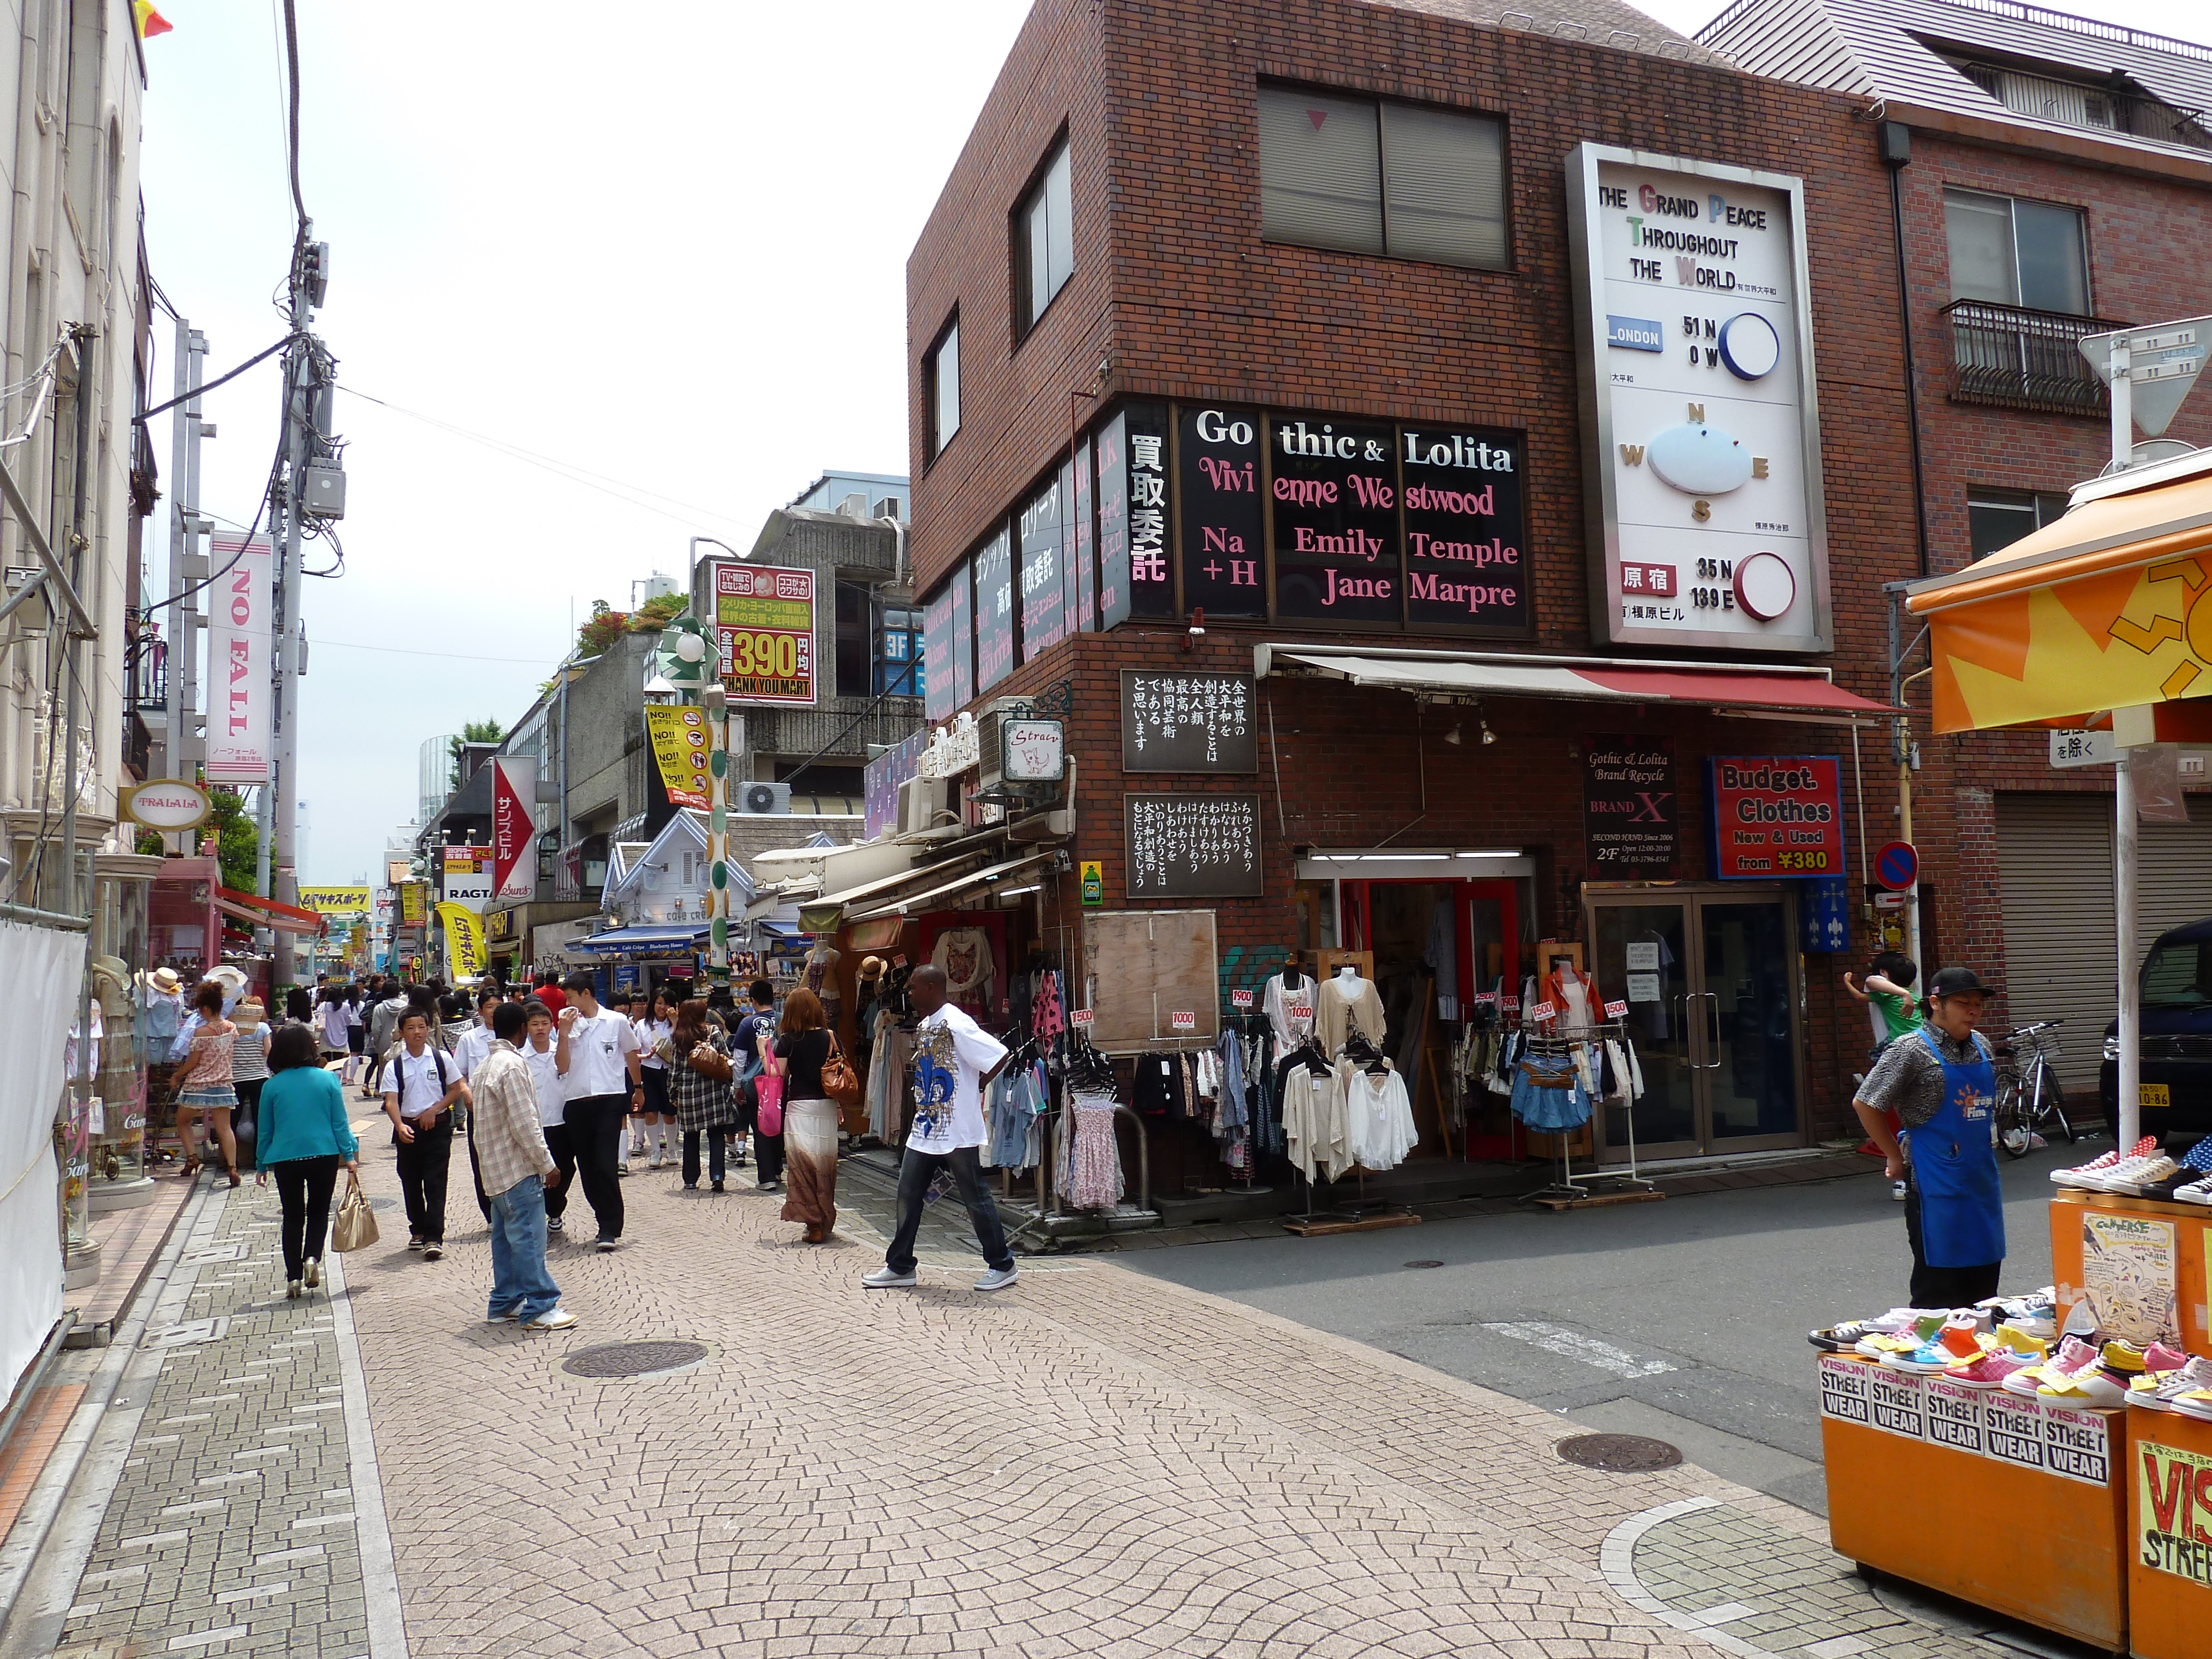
(267, 913)
(1808, 691)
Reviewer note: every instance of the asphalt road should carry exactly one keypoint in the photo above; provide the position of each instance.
(1685, 1319)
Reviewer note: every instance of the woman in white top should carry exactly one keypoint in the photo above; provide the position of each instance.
(654, 1031)
(330, 1023)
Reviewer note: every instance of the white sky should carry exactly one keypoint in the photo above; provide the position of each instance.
(673, 256)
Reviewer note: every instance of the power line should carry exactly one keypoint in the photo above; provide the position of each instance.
(292, 66)
(605, 483)
(403, 651)
(209, 386)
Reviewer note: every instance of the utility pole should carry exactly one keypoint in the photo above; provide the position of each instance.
(305, 408)
(180, 746)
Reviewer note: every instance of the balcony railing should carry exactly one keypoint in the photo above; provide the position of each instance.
(2106, 108)
(2017, 358)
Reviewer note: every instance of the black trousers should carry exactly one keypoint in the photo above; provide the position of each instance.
(423, 1162)
(564, 1160)
(1942, 1287)
(476, 1170)
(717, 1140)
(916, 1171)
(303, 1189)
(596, 1125)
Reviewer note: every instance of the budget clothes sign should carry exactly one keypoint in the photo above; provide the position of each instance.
(1776, 815)
(242, 688)
(514, 829)
(764, 621)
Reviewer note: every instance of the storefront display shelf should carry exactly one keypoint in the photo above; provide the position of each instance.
(1997, 1500)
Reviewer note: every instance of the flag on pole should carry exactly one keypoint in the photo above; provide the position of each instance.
(150, 22)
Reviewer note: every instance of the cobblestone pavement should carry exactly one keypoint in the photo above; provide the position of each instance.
(1091, 1463)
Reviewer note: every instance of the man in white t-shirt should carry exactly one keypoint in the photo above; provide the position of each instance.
(597, 1050)
(953, 1059)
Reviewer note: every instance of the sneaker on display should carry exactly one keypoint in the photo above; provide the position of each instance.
(2141, 1176)
(2192, 1401)
(2198, 1158)
(2022, 1341)
(2162, 1392)
(2073, 1355)
(1990, 1371)
(2104, 1384)
(2195, 1192)
(2092, 1174)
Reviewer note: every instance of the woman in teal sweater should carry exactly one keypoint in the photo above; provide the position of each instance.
(304, 1137)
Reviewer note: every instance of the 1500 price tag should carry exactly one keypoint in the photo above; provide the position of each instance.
(1079, 1017)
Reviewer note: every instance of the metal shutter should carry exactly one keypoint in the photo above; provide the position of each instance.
(2054, 871)
(2176, 873)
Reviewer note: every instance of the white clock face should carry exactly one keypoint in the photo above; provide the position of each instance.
(1764, 585)
(1700, 460)
(1749, 346)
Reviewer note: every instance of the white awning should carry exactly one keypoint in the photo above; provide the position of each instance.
(943, 896)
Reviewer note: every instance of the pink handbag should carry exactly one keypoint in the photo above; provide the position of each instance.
(768, 1091)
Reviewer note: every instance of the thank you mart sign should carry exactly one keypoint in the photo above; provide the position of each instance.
(764, 623)
(1701, 432)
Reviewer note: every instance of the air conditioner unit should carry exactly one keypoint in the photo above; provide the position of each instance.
(890, 508)
(920, 801)
(763, 798)
(854, 506)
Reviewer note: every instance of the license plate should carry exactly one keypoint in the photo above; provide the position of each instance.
(2155, 1094)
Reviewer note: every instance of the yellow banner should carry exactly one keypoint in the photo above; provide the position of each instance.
(2173, 1499)
(2110, 640)
(464, 939)
(410, 905)
(679, 746)
(335, 900)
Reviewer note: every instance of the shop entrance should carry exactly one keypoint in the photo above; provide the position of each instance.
(1711, 982)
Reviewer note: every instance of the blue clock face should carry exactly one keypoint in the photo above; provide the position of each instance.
(1700, 460)
(1749, 346)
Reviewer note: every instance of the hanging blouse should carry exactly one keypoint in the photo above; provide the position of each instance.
(1289, 1011)
(1342, 1006)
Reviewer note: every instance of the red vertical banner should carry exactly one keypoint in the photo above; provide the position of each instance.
(513, 789)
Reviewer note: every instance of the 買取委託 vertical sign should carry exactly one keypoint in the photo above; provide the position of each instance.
(240, 687)
(1700, 423)
(765, 622)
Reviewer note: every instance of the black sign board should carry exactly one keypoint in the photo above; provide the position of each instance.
(1465, 564)
(1218, 481)
(963, 636)
(1079, 575)
(1193, 846)
(995, 612)
(1176, 721)
(937, 649)
(1335, 506)
(1631, 824)
(1114, 521)
(1043, 597)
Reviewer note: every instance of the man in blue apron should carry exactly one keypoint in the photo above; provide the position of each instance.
(1941, 1084)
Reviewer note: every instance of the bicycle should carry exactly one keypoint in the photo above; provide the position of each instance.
(2029, 1097)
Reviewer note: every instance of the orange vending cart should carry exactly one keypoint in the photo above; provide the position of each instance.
(2002, 1501)
(2170, 1536)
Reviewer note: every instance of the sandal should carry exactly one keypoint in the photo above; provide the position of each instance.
(233, 1177)
(191, 1169)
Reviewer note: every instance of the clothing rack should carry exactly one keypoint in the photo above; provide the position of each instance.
(1358, 1216)
(1568, 1191)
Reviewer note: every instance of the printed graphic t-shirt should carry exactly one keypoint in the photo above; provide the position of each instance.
(951, 1053)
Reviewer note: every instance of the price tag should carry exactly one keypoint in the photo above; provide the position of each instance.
(1544, 1011)
(1183, 1022)
(1078, 1016)
(898, 962)
(1490, 997)
(1240, 999)
(1512, 1005)
(1616, 1010)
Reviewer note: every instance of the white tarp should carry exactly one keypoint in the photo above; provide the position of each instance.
(44, 971)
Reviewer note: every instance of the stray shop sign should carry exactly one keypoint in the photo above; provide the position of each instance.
(2173, 1510)
(1776, 815)
(2074, 1445)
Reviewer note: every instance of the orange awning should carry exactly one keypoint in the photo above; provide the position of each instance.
(2099, 610)
(268, 913)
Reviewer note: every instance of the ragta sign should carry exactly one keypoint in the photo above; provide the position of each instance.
(764, 623)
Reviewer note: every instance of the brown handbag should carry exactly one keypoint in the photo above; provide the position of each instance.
(839, 1082)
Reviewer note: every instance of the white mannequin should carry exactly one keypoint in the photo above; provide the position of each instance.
(1350, 970)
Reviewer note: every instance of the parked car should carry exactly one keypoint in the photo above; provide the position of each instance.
(2176, 1037)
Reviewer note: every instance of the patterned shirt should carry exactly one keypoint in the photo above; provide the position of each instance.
(700, 1101)
(509, 1141)
(1908, 1079)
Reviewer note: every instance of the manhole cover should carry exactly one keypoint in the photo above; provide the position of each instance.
(1618, 1453)
(1424, 1264)
(636, 1360)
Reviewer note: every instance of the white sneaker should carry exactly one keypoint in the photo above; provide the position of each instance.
(2140, 1177)
(998, 1279)
(884, 1279)
(2092, 1174)
(2196, 1192)
(559, 1320)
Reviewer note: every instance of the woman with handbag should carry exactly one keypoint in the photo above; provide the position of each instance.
(302, 1134)
(812, 1121)
(699, 1074)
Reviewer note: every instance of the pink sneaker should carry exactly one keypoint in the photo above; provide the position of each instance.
(2160, 1357)
(1991, 1371)
(2074, 1355)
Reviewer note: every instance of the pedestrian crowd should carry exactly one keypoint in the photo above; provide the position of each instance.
(555, 1094)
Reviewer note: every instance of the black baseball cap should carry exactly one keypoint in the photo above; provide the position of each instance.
(1959, 982)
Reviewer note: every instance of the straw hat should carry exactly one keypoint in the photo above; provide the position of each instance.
(251, 1011)
(164, 980)
(232, 980)
(871, 967)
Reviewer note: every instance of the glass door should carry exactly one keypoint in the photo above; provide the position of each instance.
(1711, 982)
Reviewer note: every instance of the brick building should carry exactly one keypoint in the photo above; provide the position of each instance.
(1521, 401)
(2055, 183)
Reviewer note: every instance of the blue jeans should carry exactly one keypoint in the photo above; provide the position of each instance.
(519, 1278)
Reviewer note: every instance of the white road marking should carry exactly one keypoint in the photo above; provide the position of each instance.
(1571, 1345)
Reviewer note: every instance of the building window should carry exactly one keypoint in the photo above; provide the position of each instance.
(1044, 242)
(851, 641)
(2013, 252)
(1996, 518)
(940, 380)
(1403, 179)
